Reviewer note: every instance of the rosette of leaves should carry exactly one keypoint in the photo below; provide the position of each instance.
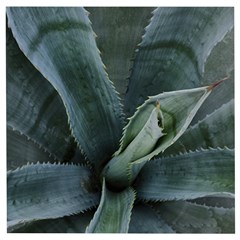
(73, 166)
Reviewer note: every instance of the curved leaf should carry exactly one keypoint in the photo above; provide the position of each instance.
(174, 49)
(187, 176)
(119, 30)
(20, 151)
(187, 217)
(42, 191)
(34, 108)
(61, 44)
(69, 224)
(220, 63)
(114, 212)
(177, 110)
(216, 130)
(220, 200)
(145, 220)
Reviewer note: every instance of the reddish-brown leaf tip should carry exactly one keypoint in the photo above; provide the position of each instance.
(215, 84)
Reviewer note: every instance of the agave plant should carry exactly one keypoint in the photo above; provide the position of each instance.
(73, 166)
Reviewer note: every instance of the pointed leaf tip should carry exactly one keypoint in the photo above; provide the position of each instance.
(215, 84)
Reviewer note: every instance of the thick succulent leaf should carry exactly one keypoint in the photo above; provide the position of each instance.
(174, 116)
(20, 151)
(119, 30)
(113, 213)
(186, 217)
(216, 130)
(219, 63)
(224, 200)
(174, 49)
(42, 191)
(145, 220)
(187, 176)
(61, 44)
(34, 107)
(70, 224)
(225, 219)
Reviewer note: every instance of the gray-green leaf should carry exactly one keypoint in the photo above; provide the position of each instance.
(151, 131)
(145, 220)
(216, 130)
(34, 107)
(114, 212)
(69, 224)
(119, 30)
(186, 217)
(220, 63)
(174, 49)
(42, 191)
(61, 44)
(21, 150)
(187, 176)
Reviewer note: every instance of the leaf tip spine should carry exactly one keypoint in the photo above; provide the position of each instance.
(215, 84)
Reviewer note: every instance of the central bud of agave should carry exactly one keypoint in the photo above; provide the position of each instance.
(143, 136)
(139, 140)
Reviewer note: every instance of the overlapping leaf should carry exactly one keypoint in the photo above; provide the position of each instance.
(61, 44)
(70, 224)
(145, 220)
(42, 191)
(186, 217)
(220, 63)
(176, 112)
(119, 30)
(114, 212)
(174, 49)
(187, 176)
(216, 130)
(20, 151)
(34, 108)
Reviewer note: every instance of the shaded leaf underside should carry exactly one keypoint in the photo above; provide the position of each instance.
(42, 191)
(187, 176)
(61, 44)
(167, 61)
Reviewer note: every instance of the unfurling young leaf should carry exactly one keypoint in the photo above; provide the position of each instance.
(152, 129)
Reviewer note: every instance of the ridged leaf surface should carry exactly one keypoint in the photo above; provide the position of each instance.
(42, 191)
(215, 130)
(145, 220)
(113, 213)
(70, 224)
(166, 125)
(219, 64)
(34, 107)
(186, 217)
(61, 44)
(174, 49)
(21, 150)
(187, 176)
